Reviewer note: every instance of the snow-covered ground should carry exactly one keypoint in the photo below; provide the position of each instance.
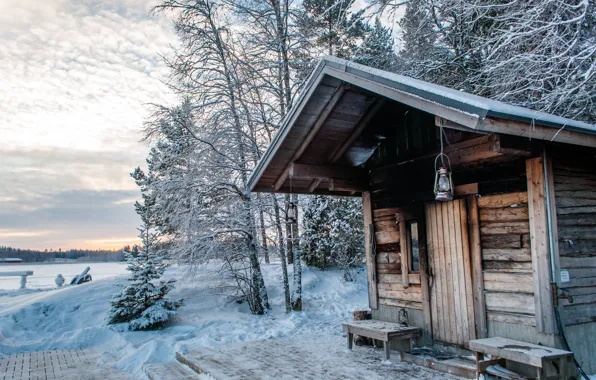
(73, 317)
(45, 274)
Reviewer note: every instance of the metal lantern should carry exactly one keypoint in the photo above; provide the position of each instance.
(292, 215)
(443, 182)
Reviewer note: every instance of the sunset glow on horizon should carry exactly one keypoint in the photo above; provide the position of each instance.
(77, 77)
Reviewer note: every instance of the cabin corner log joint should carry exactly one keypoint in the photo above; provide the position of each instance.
(517, 242)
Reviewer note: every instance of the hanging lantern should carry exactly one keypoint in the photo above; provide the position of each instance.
(443, 182)
(292, 215)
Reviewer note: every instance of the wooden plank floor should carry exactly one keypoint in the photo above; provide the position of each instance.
(56, 364)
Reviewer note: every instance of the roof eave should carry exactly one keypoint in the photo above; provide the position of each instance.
(285, 125)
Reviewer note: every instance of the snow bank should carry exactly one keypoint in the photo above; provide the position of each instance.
(73, 317)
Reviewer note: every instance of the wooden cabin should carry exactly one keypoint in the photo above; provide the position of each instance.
(515, 247)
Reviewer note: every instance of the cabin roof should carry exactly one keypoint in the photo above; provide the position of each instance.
(318, 143)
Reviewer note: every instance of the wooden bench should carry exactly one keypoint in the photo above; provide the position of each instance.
(383, 331)
(501, 349)
(23, 275)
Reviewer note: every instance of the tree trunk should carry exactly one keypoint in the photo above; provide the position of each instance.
(289, 240)
(284, 266)
(297, 304)
(263, 235)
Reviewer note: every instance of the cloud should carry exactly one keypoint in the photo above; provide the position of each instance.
(76, 76)
(4, 233)
(72, 219)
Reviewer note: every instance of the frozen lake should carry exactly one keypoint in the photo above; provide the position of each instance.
(44, 274)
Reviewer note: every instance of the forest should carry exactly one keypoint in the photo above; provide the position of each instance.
(238, 69)
(35, 256)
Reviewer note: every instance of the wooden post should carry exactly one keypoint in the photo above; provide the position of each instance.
(554, 228)
(371, 264)
(539, 246)
(386, 349)
(477, 274)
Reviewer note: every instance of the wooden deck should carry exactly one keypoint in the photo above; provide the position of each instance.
(303, 357)
(56, 364)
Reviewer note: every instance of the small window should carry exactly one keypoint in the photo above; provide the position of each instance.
(414, 247)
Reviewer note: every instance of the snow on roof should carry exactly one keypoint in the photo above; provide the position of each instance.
(469, 103)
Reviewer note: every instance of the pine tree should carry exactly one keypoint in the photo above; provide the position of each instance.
(332, 233)
(332, 26)
(377, 50)
(143, 303)
(314, 241)
(346, 234)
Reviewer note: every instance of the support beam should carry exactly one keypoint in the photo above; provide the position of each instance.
(306, 171)
(311, 135)
(520, 129)
(369, 244)
(320, 191)
(469, 152)
(539, 246)
(476, 260)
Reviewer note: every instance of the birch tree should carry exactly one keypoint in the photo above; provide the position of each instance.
(538, 54)
(206, 71)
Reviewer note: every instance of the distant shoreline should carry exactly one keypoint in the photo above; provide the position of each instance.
(59, 262)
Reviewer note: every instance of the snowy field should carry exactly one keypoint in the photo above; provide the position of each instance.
(45, 274)
(73, 317)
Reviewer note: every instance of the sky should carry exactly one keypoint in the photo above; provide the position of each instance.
(75, 80)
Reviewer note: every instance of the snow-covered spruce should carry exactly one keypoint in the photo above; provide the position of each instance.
(143, 303)
(332, 233)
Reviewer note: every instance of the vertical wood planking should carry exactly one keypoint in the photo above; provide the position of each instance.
(454, 236)
(405, 252)
(467, 264)
(371, 264)
(431, 248)
(460, 260)
(453, 295)
(443, 307)
(554, 226)
(539, 246)
(449, 294)
(423, 259)
(476, 266)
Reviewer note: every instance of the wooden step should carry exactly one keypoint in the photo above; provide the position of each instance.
(169, 371)
(455, 365)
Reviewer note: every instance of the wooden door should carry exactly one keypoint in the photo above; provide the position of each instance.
(451, 301)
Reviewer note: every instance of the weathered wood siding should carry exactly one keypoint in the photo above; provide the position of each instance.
(452, 300)
(575, 198)
(388, 261)
(506, 258)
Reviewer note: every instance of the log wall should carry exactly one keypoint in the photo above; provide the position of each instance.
(506, 258)
(388, 260)
(575, 198)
